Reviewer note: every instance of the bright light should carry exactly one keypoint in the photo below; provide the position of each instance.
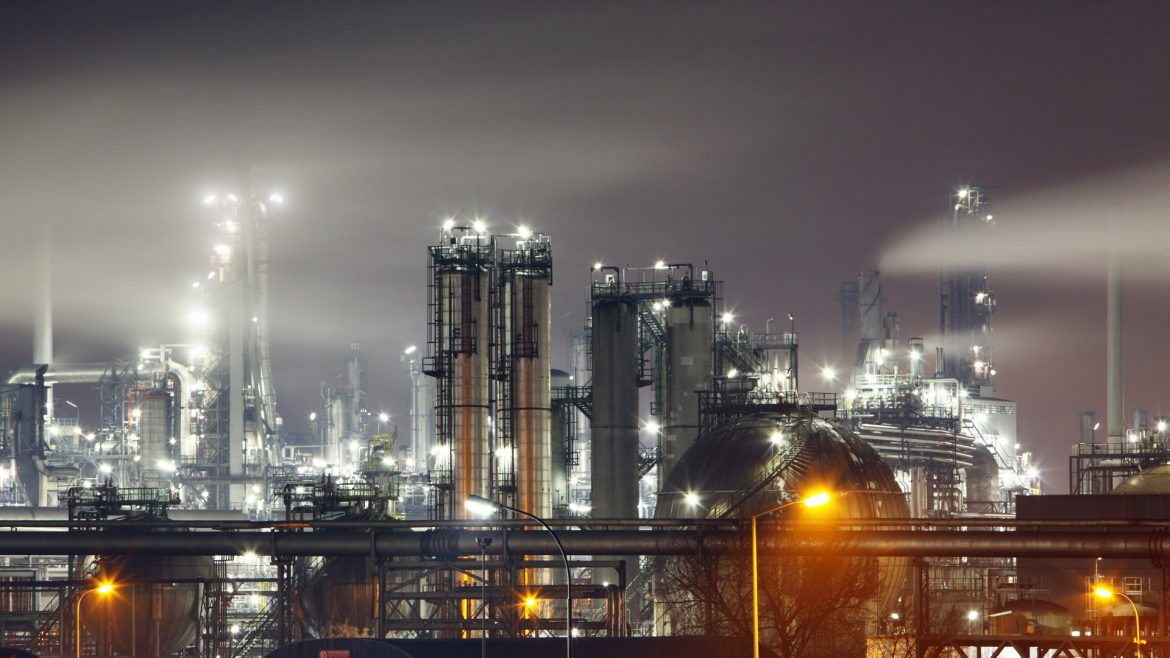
(105, 588)
(437, 450)
(777, 437)
(383, 417)
(727, 318)
(479, 226)
(504, 454)
(209, 199)
(136, 414)
(530, 602)
(828, 374)
(1161, 426)
(915, 355)
(732, 374)
(166, 465)
(312, 416)
(817, 499)
(410, 350)
(596, 266)
(660, 265)
(1103, 593)
(972, 615)
(195, 284)
(232, 198)
(963, 193)
(691, 499)
(480, 506)
(106, 468)
(275, 198)
(449, 224)
(1032, 473)
(652, 426)
(895, 616)
(525, 233)
(388, 462)
(578, 508)
(222, 250)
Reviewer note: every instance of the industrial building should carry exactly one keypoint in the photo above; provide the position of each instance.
(670, 416)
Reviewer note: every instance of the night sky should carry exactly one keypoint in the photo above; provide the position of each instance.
(790, 145)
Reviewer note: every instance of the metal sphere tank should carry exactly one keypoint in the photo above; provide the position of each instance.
(1030, 617)
(759, 461)
(155, 604)
(342, 600)
(1150, 481)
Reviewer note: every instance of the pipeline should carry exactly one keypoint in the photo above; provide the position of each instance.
(447, 544)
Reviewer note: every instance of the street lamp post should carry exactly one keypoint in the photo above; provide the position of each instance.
(483, 506)
(103, 589)
(815, 500)
(1104, 593)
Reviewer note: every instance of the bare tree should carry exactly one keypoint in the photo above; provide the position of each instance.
(809, 606)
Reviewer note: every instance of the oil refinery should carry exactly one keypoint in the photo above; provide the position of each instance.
(618, 484)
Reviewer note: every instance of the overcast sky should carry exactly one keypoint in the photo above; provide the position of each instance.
(790, 145)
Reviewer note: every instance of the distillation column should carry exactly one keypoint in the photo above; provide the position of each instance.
(614, 432)
(689, 337)
(524, 436)
(459, 341)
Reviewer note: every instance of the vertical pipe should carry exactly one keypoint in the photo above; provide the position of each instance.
(43, 315)
(1115, 308)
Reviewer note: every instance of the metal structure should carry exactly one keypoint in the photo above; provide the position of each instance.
(966, 302)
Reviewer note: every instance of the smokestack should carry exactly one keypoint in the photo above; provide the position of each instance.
(43, 314)
(1115, 305)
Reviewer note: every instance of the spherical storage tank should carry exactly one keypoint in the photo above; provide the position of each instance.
(762, 460)
(154, 607)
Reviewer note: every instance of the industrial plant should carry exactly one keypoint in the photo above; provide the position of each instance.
(648, 487)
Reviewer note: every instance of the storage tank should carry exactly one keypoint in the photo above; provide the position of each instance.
(151, 612)
(758, 462)
(1030, 617)
(342, 600)
(154, 437)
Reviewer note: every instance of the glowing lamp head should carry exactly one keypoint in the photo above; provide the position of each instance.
(828, 374)
(383, 417)
(105, 588)
(449, 224)
(660, 265)
(727, 318)
(691, 499)
(524, 232)
(480, 506)
(479, 226)
(530, 602)
(1103, 593)
(817, 499)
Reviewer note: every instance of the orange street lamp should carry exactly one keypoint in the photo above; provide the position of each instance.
(814, 500)
(1105, 593)
(103, 589)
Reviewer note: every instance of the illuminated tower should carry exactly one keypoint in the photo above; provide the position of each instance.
(966, 301)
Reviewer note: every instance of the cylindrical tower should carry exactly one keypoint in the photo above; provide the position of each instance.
(689, 333)
(614, 432)
(524, 401)
(459, 342)
(154, 438)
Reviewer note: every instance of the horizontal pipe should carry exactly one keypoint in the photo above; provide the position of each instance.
(1132, 544)
(46, 517)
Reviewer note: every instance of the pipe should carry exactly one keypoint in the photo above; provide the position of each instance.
(1115, 304)
(80, 373)
(1126, 544)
